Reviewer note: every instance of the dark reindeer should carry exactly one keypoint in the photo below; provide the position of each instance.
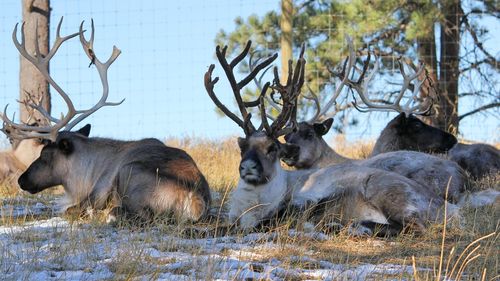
(360, 196)
(314, 152)
(407, 132)
(142, 178)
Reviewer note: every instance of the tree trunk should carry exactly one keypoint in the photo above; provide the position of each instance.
(36, 13)
(447, 114)
(286, 37)
(427, 53)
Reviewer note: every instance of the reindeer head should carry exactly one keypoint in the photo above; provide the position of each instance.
(260, 148)
(47, 171)
(413, 134)
(406, 131)
(52, 166)
(308, 138)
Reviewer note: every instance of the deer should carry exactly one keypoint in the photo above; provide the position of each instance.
(140, 179)
(444, 176)
(407, 132)
(15, 160)
(360, 197)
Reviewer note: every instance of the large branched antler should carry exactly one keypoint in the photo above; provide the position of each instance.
(66, 122)
(343, 76)
(244, 122)
(285, 122)
(411, 82)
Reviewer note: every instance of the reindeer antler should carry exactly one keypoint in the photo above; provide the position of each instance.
(289, 94)
(411, 82)
(244, 122)
(66, 122)
(343, 76)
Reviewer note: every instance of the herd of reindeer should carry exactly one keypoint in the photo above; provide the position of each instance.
(416, 174)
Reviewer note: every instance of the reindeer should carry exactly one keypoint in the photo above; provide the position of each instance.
(16, 160)
(314, 152)
(142, 178)
(366, 197)
(407, 132)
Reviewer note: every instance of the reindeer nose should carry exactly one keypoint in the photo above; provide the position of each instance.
(248, 165)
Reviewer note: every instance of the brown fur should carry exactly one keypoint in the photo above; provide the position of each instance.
(145, 178)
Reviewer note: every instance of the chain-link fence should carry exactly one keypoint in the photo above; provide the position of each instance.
(166, 48)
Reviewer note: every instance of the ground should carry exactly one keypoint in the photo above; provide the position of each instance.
(37, 243)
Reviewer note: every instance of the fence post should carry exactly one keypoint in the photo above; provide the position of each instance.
(36, 13)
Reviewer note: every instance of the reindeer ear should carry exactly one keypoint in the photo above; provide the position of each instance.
(322, 128)
(65, 145)
(85, 130)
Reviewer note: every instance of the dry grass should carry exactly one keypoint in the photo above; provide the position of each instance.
(447, 251)
(217, 160)
(360, 149)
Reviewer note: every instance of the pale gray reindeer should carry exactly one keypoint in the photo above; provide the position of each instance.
(407, 132)
(142, 178)
(14, 161)
(314, 152)
(363, 196)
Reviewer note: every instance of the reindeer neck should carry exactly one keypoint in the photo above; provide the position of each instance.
(385, 142)
(328, 156)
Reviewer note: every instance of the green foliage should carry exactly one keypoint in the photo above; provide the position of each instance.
(391, 27)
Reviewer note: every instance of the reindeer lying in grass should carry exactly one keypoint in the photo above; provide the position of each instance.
(445, 177)
(367, 198)
(407, 132)
(143, 178)
(14, 161)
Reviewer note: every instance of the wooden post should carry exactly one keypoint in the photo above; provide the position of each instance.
(35, 13)
(286, 37)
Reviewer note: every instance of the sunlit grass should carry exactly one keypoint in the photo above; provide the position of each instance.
(127, 250)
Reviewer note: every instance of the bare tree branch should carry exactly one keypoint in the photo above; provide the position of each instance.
(490, 59)
(479, 109)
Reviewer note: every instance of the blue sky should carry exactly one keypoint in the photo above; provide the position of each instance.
(166, 48)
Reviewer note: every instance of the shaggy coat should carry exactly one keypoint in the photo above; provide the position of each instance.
(478, 159)
(357, 194)
(145, 178)
(426, 169)
(409, 133)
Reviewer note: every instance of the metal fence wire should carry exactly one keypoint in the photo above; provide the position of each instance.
(166, 48)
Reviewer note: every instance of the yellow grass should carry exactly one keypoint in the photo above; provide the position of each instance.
(454, 252)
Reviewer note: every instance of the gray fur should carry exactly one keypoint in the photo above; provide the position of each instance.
(352, 193)
(478, 159)
(426, 169)
(409, 133)
(142, 177)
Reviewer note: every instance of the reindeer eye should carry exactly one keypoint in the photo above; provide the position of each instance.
(309, 135)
